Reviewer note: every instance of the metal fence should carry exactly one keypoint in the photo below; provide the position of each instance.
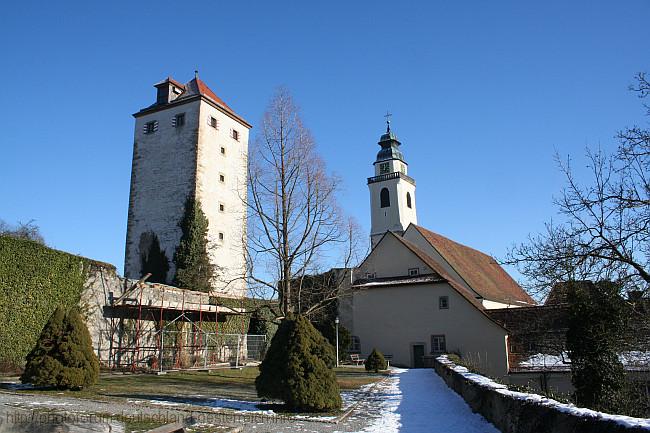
(185, 350)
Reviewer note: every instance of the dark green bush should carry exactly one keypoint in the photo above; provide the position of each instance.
(376, 361)
(63, 355)
(154, 260)
(596, 323)
(257, 324)
(297, 368)
(328, 329)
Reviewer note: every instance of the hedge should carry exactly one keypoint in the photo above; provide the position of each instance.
(34, 280)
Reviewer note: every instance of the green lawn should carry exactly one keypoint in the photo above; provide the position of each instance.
(227, 383)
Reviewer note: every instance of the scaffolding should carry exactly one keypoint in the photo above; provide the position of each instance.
(160, 328)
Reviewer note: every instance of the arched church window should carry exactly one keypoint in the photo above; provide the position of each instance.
(408, 199)
(384, 197)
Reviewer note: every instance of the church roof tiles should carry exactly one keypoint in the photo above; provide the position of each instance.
(479, 271)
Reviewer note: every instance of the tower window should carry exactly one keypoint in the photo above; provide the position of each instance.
(223, 150)
(408, 199)
(222, 207)
(150, 127)
(384, 197)
(235, 134)
(221, 236)
(212, 121)
(178, 120)
(222, 178)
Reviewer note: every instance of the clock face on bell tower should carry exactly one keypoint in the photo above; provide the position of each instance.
(384, 168)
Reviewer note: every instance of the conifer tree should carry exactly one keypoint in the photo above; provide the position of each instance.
(193, 268)
(63, 355)
(155, 262)
(297, 368)
(376, 361)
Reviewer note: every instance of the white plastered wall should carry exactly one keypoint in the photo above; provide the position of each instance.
(394, 318)
(227, 254)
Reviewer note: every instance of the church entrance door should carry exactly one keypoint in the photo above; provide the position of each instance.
(418, 354)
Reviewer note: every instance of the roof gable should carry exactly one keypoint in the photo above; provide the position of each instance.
(433, 265)
(478, 270)
(385, 259)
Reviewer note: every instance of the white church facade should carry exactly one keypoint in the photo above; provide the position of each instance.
(419, 294)
(189, 143)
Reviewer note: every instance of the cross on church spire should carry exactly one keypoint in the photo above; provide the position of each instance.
(387, 116)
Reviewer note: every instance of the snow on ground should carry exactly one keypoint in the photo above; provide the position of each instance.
(544, 401)
(419, 401)
(244, 406)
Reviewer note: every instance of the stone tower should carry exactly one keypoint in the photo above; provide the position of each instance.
(189, 143)
(392, 191)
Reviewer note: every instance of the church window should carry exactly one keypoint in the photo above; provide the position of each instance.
(212, 121)
(178, 120)
(438, 344)
(355, 344)
(223, 150)
(235, 134)
(408, 199)
(414, 272)
(384, 168)
(222, 207)
(384, 197)
(443, 302)
(221, 236)
(222, 178)
(150, 127)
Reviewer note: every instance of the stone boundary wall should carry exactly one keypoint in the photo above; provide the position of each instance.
(516, 412)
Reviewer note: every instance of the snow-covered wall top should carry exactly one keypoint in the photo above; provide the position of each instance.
(519, 412)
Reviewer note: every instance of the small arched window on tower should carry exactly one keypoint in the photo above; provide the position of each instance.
(408, 199)
(384, 197)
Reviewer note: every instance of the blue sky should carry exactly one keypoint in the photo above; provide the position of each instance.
(482, 93)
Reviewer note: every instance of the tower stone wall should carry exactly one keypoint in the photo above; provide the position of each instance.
(189, 143)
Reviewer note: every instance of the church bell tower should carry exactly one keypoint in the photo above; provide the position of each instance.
(392, 191)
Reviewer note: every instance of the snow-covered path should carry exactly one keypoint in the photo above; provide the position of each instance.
(418, 400)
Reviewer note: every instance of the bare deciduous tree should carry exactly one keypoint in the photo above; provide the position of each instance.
(294, 222)
(605, 233)
(28, 230)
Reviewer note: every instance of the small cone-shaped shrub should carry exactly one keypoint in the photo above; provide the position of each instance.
(297, 368)
(63, 355)
(375, 361)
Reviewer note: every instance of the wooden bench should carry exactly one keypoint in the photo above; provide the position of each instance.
(177, 427)
(354, 357)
